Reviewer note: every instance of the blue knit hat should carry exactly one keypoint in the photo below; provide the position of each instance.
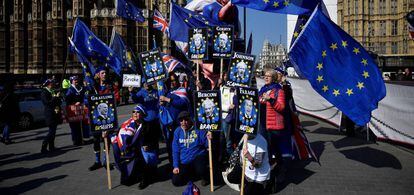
(48, 81)
(280, 70)
(100, 68)
(140, 108)
(73, 78)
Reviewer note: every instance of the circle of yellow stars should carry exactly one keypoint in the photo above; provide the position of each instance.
(102, 101)
(199, 105)
(349, 91)
(275, 4)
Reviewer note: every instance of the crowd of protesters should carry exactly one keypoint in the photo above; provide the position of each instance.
(136, 143)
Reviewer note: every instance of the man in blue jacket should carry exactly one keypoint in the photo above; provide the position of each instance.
(175, 101)
(189, 152)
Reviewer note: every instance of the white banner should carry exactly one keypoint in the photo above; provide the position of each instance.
(131, 80)
(392, 120)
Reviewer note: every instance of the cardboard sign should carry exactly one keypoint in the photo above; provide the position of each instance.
(222, 41)
(198, 44)
(102, 113)
(75, 113)
(240, 70)
(152, 66)
(131, 80)
(208, 110)
(247, 117)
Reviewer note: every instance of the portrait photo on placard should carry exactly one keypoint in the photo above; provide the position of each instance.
(240, 70)
(152, 66)
(102, 112)
(222, 41)
(198, 44)
(247, 118)
(208, 110)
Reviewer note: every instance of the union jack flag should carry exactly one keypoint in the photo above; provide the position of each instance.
(173, 63)
(160, 23)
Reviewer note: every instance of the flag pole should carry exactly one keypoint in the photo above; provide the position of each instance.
(108, 171)
(210, 159)
(221, 68)
(244, 26)
(244, 165)
(198, 75)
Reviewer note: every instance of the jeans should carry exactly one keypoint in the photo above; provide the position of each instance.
(6, 132)
(197, 168)
(226, 131)
(50, 137)
(75, 128)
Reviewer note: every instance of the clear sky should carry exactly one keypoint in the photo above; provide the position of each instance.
(264, 25)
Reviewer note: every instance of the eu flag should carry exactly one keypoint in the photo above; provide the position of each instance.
(87, 67)
(303, 18)
(338, 68)
(183, 19)
(125, 9)
(91, 46)
(125, 54)
(279, 6)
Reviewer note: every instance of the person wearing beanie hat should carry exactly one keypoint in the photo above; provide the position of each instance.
(189, 148)
(75, 97)
(52, 103)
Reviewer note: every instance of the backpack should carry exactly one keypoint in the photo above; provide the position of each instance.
(191, 189)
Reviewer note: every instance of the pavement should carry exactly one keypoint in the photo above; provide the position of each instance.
(347, 166)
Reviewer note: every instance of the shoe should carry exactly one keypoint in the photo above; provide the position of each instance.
(7, 141)
(111, 166)
(95, 166)
(204, 182)
(44, 148)
(52, 146)
(142, 185)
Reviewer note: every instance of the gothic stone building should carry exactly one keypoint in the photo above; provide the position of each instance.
(34, 34)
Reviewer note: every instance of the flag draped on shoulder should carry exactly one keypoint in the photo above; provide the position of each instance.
(87, 66)
(182, 20)
(126, 9)
(91, 46)
(160, 23)
(279, 6)
(123, 52)
(338, 68)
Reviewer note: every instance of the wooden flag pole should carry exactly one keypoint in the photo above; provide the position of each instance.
(210, 158)
(244, 165)
(198, 75)
(221, 68)
(108, 171)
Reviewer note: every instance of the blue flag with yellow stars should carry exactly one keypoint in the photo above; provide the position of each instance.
(87, 67)
(126, 9)
(91, 46)
(338, 68)
(279, 6)
(124, 53)
(183, 19)
(303, 18)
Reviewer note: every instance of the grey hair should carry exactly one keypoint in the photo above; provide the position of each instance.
(273, 73)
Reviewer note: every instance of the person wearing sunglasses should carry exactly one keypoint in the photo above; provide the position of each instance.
(136, 160)
(190, 158)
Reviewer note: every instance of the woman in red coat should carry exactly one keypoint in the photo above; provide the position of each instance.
(273, 104)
